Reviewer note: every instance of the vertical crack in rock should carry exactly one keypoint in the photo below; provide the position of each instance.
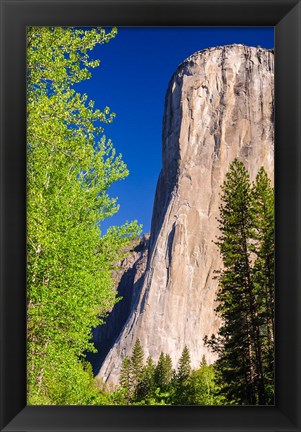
(219, 106)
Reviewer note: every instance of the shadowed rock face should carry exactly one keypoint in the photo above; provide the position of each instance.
(219, 106)
(129, 280)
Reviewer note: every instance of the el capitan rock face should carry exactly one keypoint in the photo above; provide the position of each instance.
(129, 278)
(219, 106)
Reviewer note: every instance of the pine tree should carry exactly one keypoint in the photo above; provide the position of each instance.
(163, 372)
(239, 335)
(125, 379)
(137, 363)
(184, 367)
(203, 361)
(169, 372)
(263, 273)
(181, 377)
(160, 372)
(235, 294)
(146, 388)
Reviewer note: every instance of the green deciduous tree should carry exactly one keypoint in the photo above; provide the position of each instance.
(70, 167)
(200, 387)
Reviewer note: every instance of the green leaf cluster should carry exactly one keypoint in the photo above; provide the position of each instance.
(70, 167)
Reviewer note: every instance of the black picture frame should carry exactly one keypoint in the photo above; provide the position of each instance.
(16, 15)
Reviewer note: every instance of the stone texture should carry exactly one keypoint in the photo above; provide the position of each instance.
(129, 278)
(219, 106)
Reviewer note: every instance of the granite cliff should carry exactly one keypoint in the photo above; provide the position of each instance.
(129, 276)
(219, 106)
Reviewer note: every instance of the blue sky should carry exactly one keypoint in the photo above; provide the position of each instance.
(132, 80)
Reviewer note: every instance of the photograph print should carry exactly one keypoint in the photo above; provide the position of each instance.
(150, 216)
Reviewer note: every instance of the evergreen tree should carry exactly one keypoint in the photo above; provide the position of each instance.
(125, 379)
(137, 363)
(181, 375)
(169, 371)
(203, 361)
(239, 335)
(263, 273)
(160, 372)
(146, 388)
(184, 367)
(163, 372)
